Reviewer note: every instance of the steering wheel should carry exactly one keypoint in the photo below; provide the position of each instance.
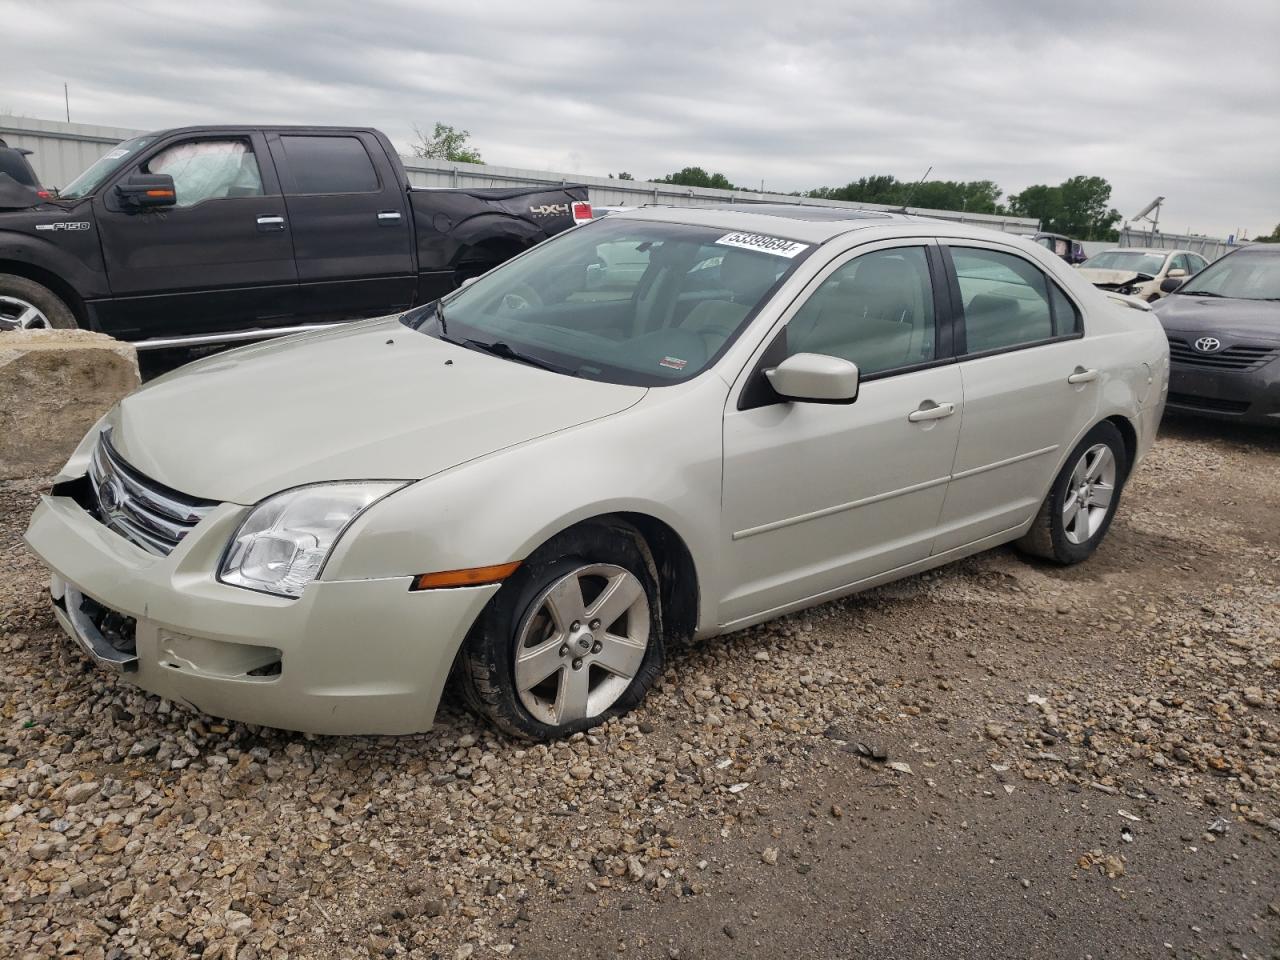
(520, 297)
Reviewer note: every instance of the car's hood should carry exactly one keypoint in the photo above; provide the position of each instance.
(1094, 275)
(364, 401)
(1216, 316)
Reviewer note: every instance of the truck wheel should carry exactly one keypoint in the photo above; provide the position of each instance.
(27, 305)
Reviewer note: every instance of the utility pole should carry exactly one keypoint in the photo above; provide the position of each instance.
(66, 99)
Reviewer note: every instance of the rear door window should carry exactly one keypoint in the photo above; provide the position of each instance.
(1005, 300)
(329, 165)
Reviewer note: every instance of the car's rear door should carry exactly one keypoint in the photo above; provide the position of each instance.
(1031, 381)
(220, 258)
(350, 223)
(819, 496)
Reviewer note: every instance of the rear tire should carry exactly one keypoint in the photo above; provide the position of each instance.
(535, 677)
(27, 305)
(1078, 511)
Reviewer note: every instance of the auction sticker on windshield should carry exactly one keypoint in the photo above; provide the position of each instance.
(758, 241)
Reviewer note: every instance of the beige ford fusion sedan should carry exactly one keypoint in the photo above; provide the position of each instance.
(669, 423)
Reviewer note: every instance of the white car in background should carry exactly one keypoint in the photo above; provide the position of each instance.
(538, 488)
(1139, 271)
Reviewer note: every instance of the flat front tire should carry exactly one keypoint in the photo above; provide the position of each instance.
(1078, 511)
(573, 638)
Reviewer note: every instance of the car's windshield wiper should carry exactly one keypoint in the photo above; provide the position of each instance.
(501, 349)
(1200, 293)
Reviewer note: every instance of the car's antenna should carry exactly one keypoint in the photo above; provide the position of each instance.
(914, 187)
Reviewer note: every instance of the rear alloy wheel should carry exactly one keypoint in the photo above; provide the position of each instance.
(27, 305)
(1077, 513)
(1090, 491)
(572, 638)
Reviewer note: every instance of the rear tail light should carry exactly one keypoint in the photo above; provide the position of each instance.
(44, 194)
(581, 212)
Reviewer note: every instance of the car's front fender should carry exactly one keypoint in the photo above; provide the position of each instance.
(661, 458)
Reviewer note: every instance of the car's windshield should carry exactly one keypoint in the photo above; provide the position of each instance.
(102, 168)
(1243, 276)
(621, 300)
(1128, 260)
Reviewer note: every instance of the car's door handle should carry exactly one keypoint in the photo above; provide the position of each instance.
(386, 217)
(270, 224)
(1083, 376)
(931, 411)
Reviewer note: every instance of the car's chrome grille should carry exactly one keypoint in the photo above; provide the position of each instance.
(136, 507)
(1236, 357)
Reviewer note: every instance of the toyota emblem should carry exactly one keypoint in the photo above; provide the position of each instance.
(1208, 344)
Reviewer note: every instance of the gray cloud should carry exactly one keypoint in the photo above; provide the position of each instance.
(1175, 98)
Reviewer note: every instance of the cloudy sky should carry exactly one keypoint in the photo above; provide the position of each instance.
(1175, 98)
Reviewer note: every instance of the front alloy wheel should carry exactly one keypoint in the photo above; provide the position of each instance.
(572, 638)
(18, 314)
(581, 644)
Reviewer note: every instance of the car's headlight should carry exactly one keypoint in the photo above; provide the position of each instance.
(286, 539)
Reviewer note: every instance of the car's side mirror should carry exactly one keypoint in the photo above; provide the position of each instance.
(815, 378)
(1170, 284)
(145, 190)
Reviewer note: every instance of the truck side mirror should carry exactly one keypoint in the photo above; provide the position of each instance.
(144, 190)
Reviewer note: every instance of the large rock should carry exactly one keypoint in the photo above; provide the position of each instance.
(54, 385)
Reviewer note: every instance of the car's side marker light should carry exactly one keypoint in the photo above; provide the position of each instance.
(472, 577)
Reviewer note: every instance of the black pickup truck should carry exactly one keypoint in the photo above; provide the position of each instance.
(207, 235)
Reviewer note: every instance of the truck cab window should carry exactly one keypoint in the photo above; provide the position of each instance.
(330, 165)
(209, 170)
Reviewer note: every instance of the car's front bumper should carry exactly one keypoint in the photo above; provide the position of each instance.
(1245, 396)
(355, 656)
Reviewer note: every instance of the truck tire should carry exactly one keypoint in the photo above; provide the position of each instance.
(27, 305)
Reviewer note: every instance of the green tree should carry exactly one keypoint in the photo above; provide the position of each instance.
(1273, 237)
(445, 143)
(697, 177)
(1078, 207)
(625, 176)
(880, 188)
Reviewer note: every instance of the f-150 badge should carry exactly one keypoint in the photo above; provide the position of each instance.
(65, 225)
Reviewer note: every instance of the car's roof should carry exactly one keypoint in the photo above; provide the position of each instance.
(808, 223)
(1160, 250)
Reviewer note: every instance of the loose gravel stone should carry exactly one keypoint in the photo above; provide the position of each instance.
(130, 826)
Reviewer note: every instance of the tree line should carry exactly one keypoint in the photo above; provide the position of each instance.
(1078, 207)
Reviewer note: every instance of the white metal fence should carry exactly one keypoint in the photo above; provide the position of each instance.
(62, 150)
(1211, 248)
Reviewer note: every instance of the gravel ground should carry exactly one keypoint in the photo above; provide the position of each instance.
(998, 758)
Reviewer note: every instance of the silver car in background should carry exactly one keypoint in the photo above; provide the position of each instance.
(669, 423)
